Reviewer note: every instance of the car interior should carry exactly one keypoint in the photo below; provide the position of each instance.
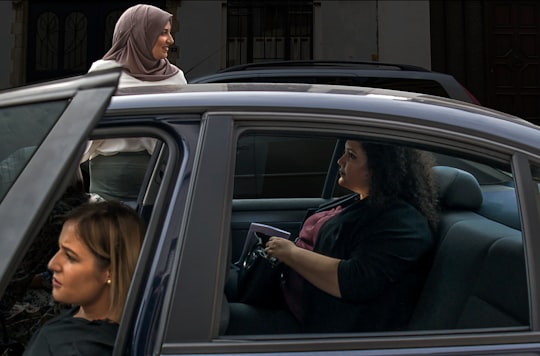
(478, 277)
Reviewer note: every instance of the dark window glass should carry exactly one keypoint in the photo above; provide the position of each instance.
(76, 42)
(47, 42)
(22, 129)
(281, 166)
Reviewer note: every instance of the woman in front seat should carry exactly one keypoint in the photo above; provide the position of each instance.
(92, 270)
(370, 257)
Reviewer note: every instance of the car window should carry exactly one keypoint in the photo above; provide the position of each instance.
(277, 166)
(27, 302)
(22, 129)
(478, 246)
(116, 168)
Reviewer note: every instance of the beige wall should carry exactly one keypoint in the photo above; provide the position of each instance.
(201, 36)
(404, 32)
(395, 31)
(345, 30)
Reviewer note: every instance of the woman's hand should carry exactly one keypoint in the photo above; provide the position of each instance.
(319, 270)
(279, 248)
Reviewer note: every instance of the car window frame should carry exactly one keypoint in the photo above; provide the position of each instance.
(143, 308)
(214, 153)
(526, 193)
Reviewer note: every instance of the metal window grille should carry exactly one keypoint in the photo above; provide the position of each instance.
(269, 30)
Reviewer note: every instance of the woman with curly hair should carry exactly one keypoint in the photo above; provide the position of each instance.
(370, 252)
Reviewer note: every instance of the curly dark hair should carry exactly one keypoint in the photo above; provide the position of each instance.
(403, 172)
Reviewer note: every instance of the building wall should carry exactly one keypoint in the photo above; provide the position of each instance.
(404, 32)
(384, 30)
(392, 31)
(201, 36)
(345, 30)
(7, 24)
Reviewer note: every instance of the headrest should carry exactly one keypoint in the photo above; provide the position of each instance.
(458, 189)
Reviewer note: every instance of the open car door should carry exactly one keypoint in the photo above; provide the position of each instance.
(43, 131)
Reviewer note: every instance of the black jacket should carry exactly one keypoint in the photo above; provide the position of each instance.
(385, 255)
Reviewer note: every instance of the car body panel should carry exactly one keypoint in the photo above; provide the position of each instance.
(454, 118)
(351, 73)
(377, 113)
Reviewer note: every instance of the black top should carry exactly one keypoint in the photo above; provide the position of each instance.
(67, 335)
(384, 256)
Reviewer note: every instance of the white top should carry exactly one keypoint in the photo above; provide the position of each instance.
(111, 147)
(127, 80)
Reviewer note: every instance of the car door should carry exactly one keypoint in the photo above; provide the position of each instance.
(198, 308)
(43, 131)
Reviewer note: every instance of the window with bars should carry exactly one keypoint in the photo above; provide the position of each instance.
(65, 37)
(260, 31)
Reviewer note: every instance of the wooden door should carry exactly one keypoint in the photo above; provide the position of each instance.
(513, 57)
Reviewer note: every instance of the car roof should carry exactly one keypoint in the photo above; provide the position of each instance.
(372, 74)
(319, 99)
(323, 64)
(288, 72)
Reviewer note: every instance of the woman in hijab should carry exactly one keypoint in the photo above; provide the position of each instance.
(141, 42)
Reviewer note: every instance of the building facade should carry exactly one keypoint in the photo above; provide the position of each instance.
(49, 39)
(492, 47)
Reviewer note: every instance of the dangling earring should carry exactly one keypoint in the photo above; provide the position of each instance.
(109, 281)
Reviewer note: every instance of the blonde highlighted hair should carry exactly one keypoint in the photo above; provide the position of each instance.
(114, 233)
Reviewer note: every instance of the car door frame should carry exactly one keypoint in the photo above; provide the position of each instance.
(31, 196)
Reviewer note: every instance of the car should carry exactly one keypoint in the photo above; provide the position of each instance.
(355, 73)
(222, 147)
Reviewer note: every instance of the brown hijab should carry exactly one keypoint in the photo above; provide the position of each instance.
(135, 34)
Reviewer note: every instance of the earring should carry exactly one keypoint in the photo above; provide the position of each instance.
(109, 281)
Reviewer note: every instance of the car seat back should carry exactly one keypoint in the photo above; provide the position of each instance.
(478, 277)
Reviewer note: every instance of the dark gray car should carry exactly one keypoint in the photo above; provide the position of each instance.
(232, 154)
(360, 74)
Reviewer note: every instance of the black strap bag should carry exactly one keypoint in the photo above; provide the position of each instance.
(259, 276)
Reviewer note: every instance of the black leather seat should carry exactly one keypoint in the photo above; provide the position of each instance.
(478, 276)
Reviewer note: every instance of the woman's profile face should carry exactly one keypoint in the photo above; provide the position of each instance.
(163, 42)
(354, 172)
(78, 276)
